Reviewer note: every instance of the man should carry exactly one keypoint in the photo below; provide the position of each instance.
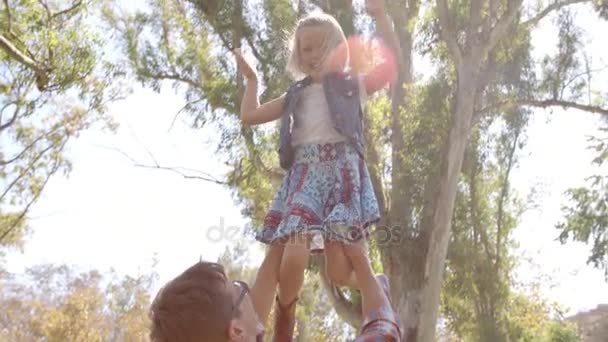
(202, 304)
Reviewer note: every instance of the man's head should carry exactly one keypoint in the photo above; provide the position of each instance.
(202, 304)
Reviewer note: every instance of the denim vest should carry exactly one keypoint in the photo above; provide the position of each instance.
(342, 95)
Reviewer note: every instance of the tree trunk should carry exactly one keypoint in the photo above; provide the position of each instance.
(417, 263)
(401, 258)
(408, 280)
(439, 234)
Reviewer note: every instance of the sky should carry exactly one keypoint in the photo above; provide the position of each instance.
(555, 159)
(110, 214)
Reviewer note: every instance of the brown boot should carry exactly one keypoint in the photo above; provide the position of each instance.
(284, 321)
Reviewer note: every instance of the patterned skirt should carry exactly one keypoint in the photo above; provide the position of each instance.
(327, 193)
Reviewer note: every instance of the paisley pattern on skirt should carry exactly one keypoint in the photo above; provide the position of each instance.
(327, 191)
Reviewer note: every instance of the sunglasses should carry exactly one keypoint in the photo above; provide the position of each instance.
(244, 289)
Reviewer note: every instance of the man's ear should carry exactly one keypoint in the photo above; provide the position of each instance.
(236, 332)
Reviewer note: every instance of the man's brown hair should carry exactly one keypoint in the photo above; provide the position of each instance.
(195, 306)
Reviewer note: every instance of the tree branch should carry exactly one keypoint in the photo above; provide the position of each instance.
(184, 108)
(504, 193)
(9, 17)
(375, 168)
(448, 33)
(473, 155)
(587, 72)
(565, 104)
(208, 10)
(12, 120)
(488, 22)
(28, 147)
(17, 55)
(545, 104)
(553, 7)
(67, 10)
(33, 200)
(47, 9)
(9, 28)
(247, 133)
(144, 146)
(183, 174)
(26, 170)
(487, 74)
(413, 9)
(186, 173)
(476, 21)
(166, 76)
(504, 23)
(224, 41)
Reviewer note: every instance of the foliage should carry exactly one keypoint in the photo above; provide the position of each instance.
(58, 303)
(586, 214)
(56, 80)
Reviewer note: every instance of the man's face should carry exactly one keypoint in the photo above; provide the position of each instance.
(245, 327)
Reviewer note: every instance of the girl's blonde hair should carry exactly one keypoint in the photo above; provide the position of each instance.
(335, 37)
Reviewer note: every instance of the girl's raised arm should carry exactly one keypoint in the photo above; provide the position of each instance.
(252, 113)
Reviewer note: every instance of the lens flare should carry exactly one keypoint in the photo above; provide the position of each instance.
(370, 57)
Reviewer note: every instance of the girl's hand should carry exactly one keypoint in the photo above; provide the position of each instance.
(244, 66)
(375, 8)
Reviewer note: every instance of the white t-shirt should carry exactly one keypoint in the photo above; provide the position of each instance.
(312, 122)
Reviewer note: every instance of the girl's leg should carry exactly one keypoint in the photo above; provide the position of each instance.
(291, 278)
(293, 265)
(337, 266)
(266, 280)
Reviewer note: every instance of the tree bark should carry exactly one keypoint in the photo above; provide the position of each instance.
(445, 198)
(400, 255)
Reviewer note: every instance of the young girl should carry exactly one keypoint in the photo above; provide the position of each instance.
(327, 191)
